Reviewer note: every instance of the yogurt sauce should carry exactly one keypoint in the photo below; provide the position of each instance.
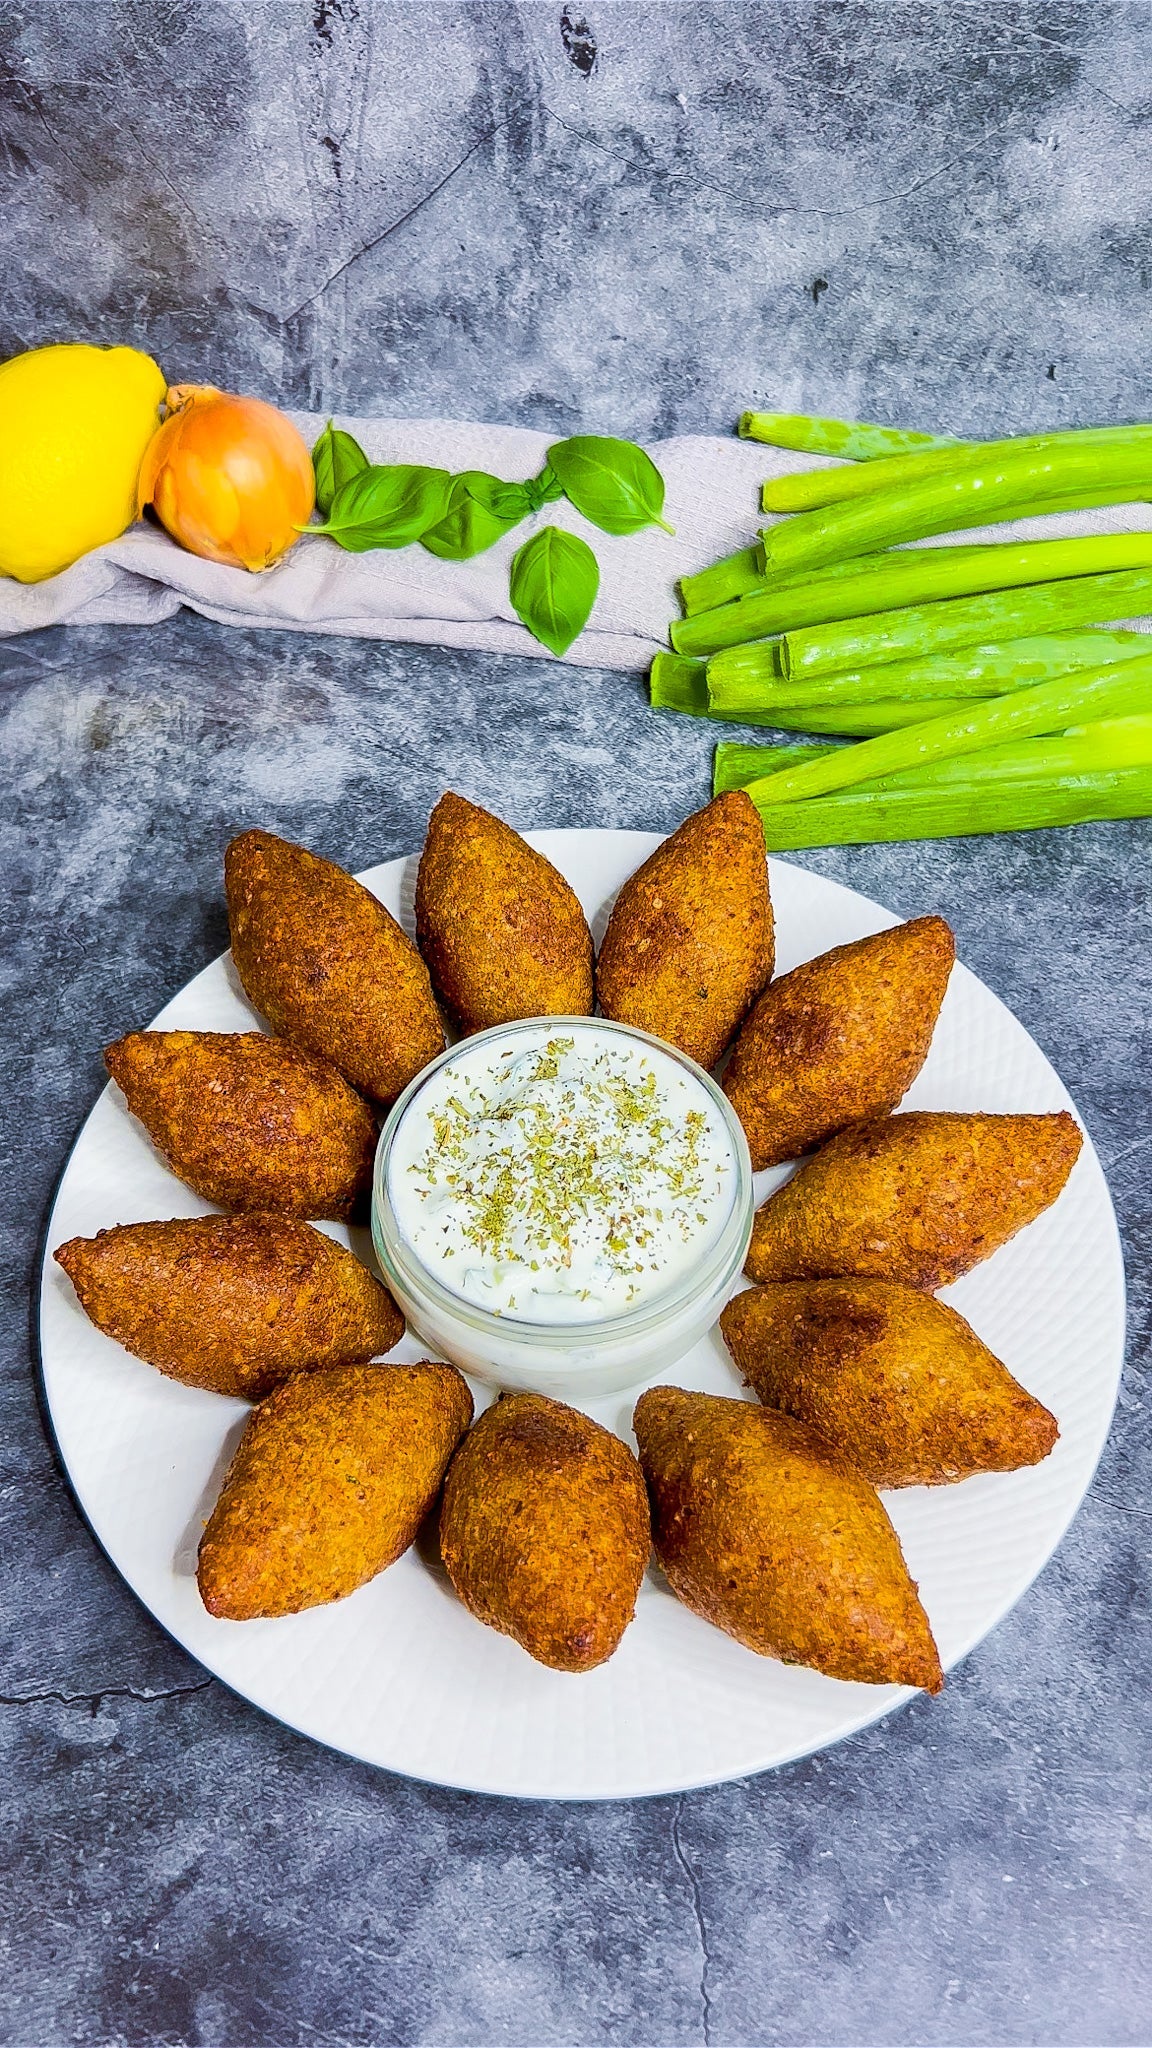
(571, 1174)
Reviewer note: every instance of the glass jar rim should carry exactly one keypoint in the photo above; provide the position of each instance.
(727, 1249)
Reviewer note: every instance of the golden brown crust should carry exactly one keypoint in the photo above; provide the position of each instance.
(248, 1121)
(689, 944)
(544, 1530)
(327, 965)
(763, 1531)
(333, 1476)
(503, 934)
(894, 1380)
(920, 1197)
(232, 1303)
(839, 1039)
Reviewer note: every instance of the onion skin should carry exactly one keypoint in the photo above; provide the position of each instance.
(230, 478)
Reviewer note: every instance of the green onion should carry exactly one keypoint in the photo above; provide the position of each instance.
(795, 756)
(677, 684)
(856, 440)
(909, 577)
(735, 764)
(963, 518)
(751, 669)
(716, 587)
(887, 563)
(740, 678)
(735, 576)
(805, 490)
(862, 819)
(930, 629)
(1044, 708)
(1104, 747)
(851, 721)
(1014, 477)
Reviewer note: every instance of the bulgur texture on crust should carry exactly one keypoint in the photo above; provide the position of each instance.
(689, 944)
(544, 1530)
(232, 1303)
(502, 932)
(249, 1121)
(919, 1197)
(896, 1381)
(328, 967)
(839, 1039)
(762, 1530)
(332, 1478)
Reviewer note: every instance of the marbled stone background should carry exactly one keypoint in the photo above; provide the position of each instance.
(636, 218)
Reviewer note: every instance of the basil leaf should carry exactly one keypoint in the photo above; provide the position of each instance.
(481, 509)
(336, 459)
(543, 489)
(613, 483)
(387, 505)
(553, 583)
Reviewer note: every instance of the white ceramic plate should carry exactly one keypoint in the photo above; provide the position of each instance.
(400, 1674)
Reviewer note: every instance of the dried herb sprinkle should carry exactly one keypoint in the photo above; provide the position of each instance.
(525, 1160)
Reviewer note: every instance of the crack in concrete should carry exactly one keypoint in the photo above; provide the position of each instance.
(668, 173)
(672, 175)
(1126, 1151)
(106, 1692)
(1102, 1500)
(698, 1911)
(393, 226)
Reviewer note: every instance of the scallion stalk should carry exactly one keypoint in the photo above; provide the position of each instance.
(807, 490)
(722, 578)
(1104, 746)
(741, 678)
(856, 440)
(887, 563)
(850, 721)
(733, 577)
(735, 764)
(1044, 708)
(1101, 748)
(678, 684)
(795, 755)
(961, 520)
(986, 486)
(919, 631)
(862, 819)
(912, 576)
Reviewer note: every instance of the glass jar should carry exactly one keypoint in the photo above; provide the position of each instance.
(568, 1359)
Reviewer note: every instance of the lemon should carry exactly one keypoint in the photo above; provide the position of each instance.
(74, 423)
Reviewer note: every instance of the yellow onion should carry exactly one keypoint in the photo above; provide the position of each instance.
(230, 478)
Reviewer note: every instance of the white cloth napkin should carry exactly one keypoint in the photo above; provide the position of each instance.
(407, 594)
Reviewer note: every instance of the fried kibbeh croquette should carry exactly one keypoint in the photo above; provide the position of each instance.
(544, 1530)
(332, 1478)
(896, 1381)
(248, 1121)
(919, 1197)
(690, 941)
(838, 1040)
(501, 931)
(328, 967)
(231, 1303)
(762, 1530)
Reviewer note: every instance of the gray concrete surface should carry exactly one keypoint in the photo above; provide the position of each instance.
(637, 220)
